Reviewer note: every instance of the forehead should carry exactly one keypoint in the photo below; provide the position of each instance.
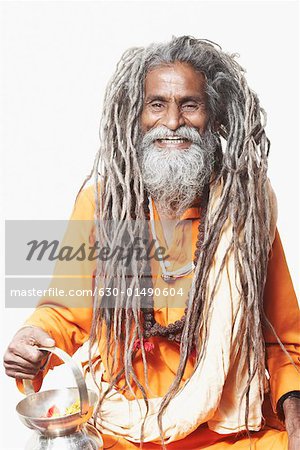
(174, 79)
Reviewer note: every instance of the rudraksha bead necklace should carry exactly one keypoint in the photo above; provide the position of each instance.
(172, 331)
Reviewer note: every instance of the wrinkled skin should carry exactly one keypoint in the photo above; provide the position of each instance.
(291, 408)
(22, 359)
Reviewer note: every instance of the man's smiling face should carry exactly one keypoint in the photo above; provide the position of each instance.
(177, 148)
(174, 96)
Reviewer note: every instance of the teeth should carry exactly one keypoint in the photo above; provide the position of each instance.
(174, 138)
(169, 140)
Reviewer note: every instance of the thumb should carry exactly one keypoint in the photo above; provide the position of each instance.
(43, 339)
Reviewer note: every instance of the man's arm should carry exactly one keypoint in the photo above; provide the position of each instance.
(66, 320)
(282, 310)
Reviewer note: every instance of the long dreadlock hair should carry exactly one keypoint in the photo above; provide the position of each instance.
(244, 200)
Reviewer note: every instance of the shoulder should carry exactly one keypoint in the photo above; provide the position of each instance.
(84, 207)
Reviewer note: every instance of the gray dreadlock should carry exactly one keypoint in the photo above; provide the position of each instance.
(244, 200)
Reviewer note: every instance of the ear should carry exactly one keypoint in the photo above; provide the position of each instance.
(216, 126)
(219, 128)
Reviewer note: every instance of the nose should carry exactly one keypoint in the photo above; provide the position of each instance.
(173, 118)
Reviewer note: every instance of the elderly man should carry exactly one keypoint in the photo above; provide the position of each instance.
(196, 349)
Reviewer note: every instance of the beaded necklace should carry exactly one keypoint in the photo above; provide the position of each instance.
(172, 331)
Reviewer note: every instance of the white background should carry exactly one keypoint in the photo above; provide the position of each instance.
(56, 58)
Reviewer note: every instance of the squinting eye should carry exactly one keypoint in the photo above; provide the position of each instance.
(157, 105)
(189, 106)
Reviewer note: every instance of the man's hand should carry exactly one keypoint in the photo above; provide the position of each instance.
(291, 408)
(22, 359)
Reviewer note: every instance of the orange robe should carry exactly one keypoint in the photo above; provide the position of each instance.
(70, 327)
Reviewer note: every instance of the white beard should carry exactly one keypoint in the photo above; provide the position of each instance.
(175, 178)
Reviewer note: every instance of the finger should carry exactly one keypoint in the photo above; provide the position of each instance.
(28, 352)
(42, 338)
(16, 360)
(20, 375)
(15, 368)
(34, 336)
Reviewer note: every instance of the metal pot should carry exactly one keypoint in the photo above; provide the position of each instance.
(70, 432)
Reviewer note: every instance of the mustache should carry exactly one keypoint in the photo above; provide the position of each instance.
(184, 132)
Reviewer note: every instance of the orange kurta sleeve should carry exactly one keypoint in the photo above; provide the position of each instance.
(68, 319)
(282, 310)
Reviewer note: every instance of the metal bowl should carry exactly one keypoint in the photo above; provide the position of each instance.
(32, 409)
